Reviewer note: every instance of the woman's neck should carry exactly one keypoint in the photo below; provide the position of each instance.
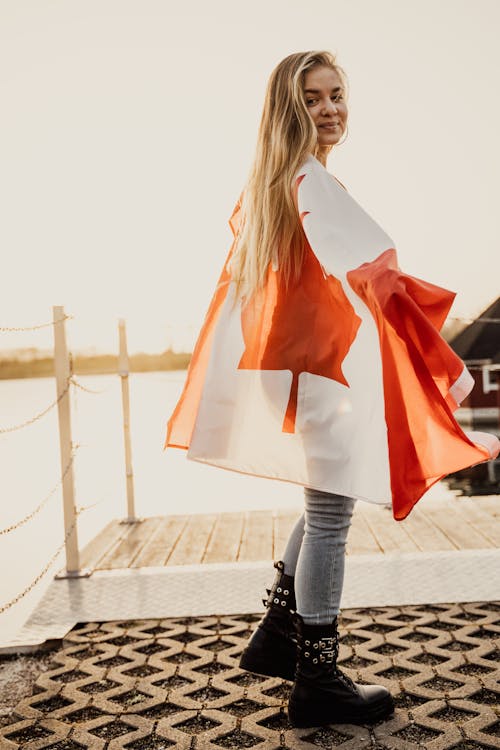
(322, 154)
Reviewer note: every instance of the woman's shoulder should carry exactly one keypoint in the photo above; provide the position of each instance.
(312, 166)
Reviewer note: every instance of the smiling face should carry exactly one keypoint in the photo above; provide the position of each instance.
(325, 100)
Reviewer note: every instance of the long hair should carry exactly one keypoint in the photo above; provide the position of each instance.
(270, 231)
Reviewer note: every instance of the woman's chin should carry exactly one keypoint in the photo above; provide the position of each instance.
(331, 139)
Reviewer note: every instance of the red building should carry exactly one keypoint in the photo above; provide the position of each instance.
(479, 346)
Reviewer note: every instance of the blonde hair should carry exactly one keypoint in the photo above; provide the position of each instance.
(269, 230)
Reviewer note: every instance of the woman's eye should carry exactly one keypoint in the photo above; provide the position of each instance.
(310, 102)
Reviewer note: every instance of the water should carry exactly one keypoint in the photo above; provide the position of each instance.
(165, 482)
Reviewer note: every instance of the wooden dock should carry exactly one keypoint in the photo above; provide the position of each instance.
(447, 524)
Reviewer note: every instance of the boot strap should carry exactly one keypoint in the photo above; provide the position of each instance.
(280, 595)
(323, 651)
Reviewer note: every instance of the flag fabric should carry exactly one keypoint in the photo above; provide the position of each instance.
(340, 382)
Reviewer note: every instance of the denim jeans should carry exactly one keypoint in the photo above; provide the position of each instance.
(315, 555)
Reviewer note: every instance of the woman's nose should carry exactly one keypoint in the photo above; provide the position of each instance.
(329, 106)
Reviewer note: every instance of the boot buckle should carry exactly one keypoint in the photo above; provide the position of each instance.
(327, 646)
(327, 643)
(327, 656)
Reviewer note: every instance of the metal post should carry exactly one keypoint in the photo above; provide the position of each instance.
(123, 371)
(62, 373)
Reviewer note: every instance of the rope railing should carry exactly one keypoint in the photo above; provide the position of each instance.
(38, 416)
(51, 561)
(86, 389)
(71, 381)
(36, 327)
(64, 378)
(45, 500)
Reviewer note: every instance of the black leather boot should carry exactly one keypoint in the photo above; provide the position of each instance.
(272, 648)
(322, 694)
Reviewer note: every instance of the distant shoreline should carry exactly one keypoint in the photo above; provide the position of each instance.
(99, 364)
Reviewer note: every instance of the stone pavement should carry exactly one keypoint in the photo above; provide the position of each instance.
(175, 683)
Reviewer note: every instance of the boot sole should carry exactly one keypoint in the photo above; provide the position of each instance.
(301, 720)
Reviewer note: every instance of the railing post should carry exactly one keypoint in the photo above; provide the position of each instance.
(123, 371)
(62, 374)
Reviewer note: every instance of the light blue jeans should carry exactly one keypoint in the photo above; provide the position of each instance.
(315, 555)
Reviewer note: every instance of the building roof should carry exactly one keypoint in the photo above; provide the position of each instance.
(481, 339)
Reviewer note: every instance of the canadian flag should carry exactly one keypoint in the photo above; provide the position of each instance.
(342, 382)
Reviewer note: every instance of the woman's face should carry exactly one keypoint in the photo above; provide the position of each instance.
(324, 95)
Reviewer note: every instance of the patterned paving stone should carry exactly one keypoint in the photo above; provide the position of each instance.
(175, 683)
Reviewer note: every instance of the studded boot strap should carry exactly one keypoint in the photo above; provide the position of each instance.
(324, 652)
(282, 593)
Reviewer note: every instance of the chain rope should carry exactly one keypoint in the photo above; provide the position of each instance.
(44, 570)
(87, 390)
(41, 414)
(71, 381)
(41, 325)
(45, 500)
(78, 510)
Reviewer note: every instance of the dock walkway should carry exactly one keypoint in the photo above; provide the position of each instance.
(461, 523)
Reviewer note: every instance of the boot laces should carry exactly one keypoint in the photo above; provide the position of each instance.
(345, 679)
(341, 675)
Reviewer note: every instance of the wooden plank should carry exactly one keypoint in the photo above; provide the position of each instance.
(129, 547)
(389, 534)
(107, 539)
(193, 542)
(257, 538)
(284, 522)
(104, 562)
(483, 522)
(458, 530)
(360, 539)
(489, 504)
(427, 536)
(162, 541)
(225, 541)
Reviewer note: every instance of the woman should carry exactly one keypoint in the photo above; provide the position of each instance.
(320, 363)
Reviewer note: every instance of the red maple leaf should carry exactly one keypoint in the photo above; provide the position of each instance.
(308, 328)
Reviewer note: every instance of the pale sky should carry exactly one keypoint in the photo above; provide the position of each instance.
(128, 127)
